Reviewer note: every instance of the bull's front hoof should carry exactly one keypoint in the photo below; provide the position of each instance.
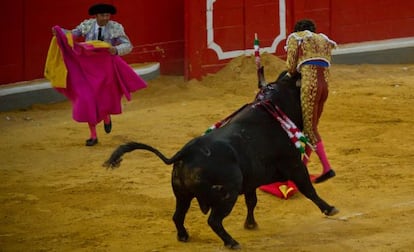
(233, 245)
(250, 225)
(184, 237)
(331, 212)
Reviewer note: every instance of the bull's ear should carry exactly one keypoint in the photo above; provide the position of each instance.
(282, 75)
(296, 76)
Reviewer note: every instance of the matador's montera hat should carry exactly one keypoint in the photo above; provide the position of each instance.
(102, 8)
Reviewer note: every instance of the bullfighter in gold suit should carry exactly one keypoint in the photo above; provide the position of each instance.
(309, 54)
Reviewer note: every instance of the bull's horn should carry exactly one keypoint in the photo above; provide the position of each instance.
(261, 78)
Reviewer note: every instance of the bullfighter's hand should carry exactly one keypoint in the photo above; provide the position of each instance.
(113, 50)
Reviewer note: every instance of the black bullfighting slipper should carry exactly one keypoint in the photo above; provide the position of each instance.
(91, 141)
(326, 176)
(108, 127)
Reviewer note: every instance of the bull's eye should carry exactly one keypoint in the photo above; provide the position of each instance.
(205, 151)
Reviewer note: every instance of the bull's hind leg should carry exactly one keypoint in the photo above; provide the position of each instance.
(301, 178)
(251, 201)
(181, 209)
(215, 220)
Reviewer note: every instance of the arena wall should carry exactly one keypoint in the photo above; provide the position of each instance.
(230, 26)
(156, 29)
(193, 38)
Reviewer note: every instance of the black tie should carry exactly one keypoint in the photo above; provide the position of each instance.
(100, 37)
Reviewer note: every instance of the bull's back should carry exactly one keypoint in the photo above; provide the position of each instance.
(263, 149)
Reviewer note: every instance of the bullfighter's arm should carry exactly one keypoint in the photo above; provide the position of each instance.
(292, 55)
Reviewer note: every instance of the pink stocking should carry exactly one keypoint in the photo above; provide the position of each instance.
(92, 129)
(107, 119)
(320, 150)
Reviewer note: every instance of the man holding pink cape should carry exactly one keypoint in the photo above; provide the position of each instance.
(97, 77)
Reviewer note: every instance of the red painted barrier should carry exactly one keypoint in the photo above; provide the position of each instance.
(230, 26)
(194, 37)
(155, 28)
(12, 42)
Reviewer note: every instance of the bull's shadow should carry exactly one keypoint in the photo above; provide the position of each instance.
(248, 150)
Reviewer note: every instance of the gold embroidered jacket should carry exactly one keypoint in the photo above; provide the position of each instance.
(305, 46)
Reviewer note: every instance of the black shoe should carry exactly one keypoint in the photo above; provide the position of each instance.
(108, 127)
(326, 176)
(91, 141)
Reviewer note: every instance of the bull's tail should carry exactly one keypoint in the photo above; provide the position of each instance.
(115, 159)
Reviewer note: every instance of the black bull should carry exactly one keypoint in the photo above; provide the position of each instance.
(250, 150)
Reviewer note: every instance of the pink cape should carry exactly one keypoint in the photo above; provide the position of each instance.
(96, 80)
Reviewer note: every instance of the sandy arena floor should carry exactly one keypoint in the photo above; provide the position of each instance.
(56, 196)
